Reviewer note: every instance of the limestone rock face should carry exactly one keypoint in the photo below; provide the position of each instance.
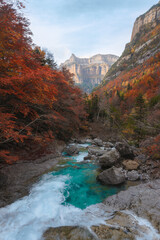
(151, 16)
(89, 72)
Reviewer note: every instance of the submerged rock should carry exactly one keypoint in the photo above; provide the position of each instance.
(109, 158)
(69, 233)
(130, 164)
(71, 150)
(124, 150)
(112, 176)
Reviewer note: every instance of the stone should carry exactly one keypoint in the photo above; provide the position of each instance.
(121, 226)
(130, 165)
(109, 158)
(125, 150)
(133, 175)
(71, 150)
(98, 142)
(113, 176)
(68, 233)
(88, 157)
(108, 145)
(142, 199)
(96, 151)
(141, 158)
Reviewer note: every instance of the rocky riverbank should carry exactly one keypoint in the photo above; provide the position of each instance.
(17, 179)
(126, 211)
(119, 162)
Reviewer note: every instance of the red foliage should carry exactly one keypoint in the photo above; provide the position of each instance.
(35, 101)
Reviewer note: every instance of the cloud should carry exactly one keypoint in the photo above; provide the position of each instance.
(84, 27)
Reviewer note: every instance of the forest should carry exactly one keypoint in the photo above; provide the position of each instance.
(131, 104)
(38, 101)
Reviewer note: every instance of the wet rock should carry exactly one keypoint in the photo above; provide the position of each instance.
(71, 150)
(69, 233)
(130, 164)
(124, 150)
(121, 226)
(108, 145)
(88, 157)
(96, 151)
(133, 175)
(109, 158)
(98, 142)
(112, 176)
(142, 199)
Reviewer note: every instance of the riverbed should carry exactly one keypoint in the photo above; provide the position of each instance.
(67, 196)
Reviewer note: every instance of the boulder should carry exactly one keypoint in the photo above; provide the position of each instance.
(108, 144)
(142, 199)
(133, 175)
(130, 164)
(68, 233)
(109, 158)
(88, 157)
(98, 142)
(112, 176)
(125, 150)
(96, 151)
(71, 150)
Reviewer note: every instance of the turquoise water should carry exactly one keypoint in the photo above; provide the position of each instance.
(82, 189)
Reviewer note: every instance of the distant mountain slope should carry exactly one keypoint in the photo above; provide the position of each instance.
(129, 95)
(145, 43)
(89, 72)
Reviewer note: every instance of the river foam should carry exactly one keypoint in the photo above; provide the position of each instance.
(46, 206)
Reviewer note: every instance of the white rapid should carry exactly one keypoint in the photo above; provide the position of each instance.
(29, 217)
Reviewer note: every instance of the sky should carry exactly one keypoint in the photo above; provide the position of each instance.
(83, 27)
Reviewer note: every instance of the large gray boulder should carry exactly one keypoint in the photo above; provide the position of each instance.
(98, 142)
(71, 150)
(143, 199)
(109, 158)
(96, 151)
(112, 176)
(125, 150)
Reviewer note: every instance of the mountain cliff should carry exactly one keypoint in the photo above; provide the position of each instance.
(89, 72)
(145, 43)
(129, 96)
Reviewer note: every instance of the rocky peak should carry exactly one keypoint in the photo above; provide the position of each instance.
(89, 72)
(151, 16)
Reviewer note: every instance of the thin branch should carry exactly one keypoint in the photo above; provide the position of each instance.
(29, 124)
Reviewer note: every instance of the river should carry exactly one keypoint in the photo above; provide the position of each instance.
(68, 196)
